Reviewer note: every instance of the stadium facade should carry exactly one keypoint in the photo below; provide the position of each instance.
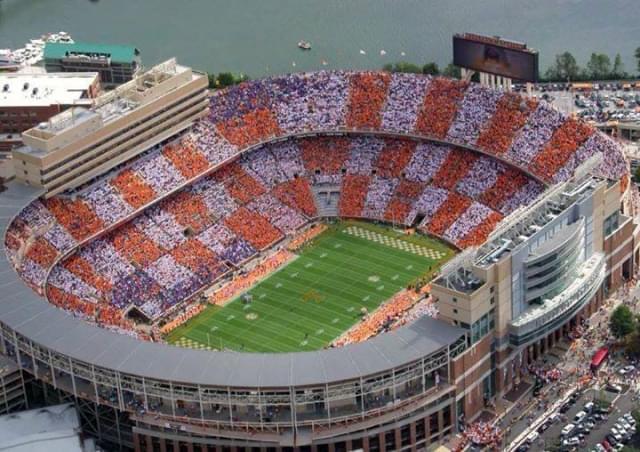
(540, 254)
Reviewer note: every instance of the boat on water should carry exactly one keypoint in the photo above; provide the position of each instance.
(33, 51)
(304, 45)
(7, 62)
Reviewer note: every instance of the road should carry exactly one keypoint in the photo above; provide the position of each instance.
(531, 412)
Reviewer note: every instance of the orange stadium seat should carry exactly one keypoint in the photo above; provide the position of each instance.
(440, 106)
(368, 93)
(354, 194)
(133, 188)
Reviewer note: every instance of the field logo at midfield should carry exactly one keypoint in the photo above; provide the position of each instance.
(393, 242)
(312, 295)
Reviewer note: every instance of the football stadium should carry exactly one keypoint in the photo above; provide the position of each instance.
(324, 261)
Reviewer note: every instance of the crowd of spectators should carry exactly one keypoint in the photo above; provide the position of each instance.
(353, 195)
(379, 321)
(510, 116)
(457, 111)
(241, 282)
(253, 227)
(439, 107)
(474, 114)
(296, 193)
(449, 211)
(367, 96)
(225, 218)
(396, 156)
(378, 196)
(457, 164)
(563, 145)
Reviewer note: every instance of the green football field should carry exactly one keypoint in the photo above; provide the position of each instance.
(319, 295)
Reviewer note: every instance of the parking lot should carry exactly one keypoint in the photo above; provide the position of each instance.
(561, 431)
(603, 102)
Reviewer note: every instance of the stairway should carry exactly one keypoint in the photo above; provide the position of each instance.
(326, 197)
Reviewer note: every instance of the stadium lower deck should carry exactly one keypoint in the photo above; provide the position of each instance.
(320, 294)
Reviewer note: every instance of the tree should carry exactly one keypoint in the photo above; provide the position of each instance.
(599, 66)
(225, 79)
(565, 68)
(452, 71)
(622, 322)
(618, 68)
(404, 66)
(431, 68)
(212, 81)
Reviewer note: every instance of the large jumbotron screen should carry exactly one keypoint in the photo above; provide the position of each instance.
(495, 56)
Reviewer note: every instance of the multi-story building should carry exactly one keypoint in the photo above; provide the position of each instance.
(116, 64)
(29, 99)
(82, 143)
(540, 273)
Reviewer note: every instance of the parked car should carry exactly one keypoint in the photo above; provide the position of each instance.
(612, 387)
(579, 417)
(565, 407)
(611, 439)
(569, 442)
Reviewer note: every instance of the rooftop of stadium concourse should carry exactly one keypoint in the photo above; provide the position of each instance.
(111, 106)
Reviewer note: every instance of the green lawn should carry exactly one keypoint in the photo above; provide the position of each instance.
(319, 295)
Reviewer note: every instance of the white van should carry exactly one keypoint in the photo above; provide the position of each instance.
(567, 429)
(532, 437)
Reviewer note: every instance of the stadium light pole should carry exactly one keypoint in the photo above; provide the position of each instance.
(208, 340)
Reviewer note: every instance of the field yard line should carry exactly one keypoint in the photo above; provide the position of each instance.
(266, 317)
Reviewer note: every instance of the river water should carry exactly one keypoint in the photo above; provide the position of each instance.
(258, 37)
